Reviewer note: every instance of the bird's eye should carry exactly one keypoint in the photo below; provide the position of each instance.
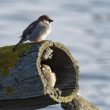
(46, 21)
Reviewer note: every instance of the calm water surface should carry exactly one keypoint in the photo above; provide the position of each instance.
(83, 26)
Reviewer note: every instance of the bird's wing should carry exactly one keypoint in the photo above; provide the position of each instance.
(29, 29)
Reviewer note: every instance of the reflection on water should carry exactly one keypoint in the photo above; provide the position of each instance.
(83, 26)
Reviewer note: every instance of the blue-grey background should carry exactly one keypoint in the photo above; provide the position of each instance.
(83, 26)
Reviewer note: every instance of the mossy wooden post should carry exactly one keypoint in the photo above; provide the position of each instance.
(22, 82)
(21, 79)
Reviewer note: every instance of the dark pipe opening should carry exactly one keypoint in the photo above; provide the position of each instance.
(63, 67)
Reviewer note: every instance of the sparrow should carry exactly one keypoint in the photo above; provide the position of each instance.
(37, 31)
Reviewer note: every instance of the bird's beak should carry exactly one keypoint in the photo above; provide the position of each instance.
(50, 20)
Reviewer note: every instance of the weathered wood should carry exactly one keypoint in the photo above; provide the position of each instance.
(79, 103)
(21, 78)
(29, 103)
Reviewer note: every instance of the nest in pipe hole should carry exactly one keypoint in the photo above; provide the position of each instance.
(49, 75)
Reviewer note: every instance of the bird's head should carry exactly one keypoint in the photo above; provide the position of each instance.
(45, 18)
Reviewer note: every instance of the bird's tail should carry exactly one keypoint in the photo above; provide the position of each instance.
(21, 41)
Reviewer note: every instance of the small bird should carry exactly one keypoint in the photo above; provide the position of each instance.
(37, 31)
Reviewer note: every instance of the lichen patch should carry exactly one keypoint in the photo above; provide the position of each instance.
(8, 58)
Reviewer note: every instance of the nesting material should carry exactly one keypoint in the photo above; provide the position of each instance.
(58, 70)
(49, 76)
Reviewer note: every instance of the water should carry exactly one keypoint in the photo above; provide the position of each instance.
(83, 26)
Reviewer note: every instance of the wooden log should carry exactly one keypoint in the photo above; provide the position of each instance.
(22, 81)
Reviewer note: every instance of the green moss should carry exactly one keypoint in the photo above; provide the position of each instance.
(9, 90)
(8, 58)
